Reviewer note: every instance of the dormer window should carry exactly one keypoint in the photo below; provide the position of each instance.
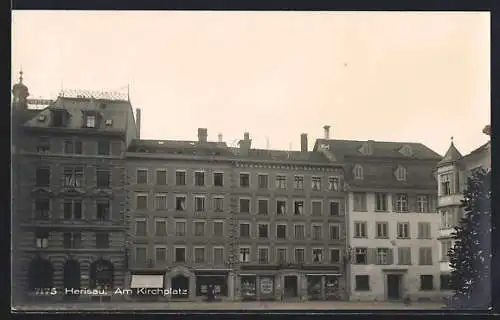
(358, 172)
(90, 121)
(406, 151)
(58, 118)
(401, 173)
(366, 149)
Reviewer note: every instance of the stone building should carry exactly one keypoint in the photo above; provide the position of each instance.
(392, 219)
(452, 173)
(254, 224)
(68, 194)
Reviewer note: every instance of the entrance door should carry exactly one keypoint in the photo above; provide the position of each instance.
(291, 286)
(71, 279)
(180, 283)
(393, 286)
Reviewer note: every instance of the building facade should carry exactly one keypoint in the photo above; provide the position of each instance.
(68, 195)
(452, 172)
(392, 218)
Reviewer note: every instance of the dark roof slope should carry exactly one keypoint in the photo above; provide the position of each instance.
(179, 147)
(281, 155)
(451, 155)
(476, 152)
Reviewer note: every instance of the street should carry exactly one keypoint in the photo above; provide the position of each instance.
(157, 306)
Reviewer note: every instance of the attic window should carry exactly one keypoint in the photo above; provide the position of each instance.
(401, 173)
(41, 118)
(161, 142)
(324, 146)
(57, 118)
(406, 151)
(366, 149)
(90, 121)
(108, 123)
(141, 150)
(358, 172)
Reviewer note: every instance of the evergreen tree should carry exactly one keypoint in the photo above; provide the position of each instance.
(471, 254)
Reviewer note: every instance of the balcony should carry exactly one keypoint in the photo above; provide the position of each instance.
(450, 200)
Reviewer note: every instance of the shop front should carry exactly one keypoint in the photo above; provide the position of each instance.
(147, 286)
(323, 286)
(248, 286)
(212, 280)
(266, 287)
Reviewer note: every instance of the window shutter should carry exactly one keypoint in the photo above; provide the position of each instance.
(390, 257)
(412, 202)
(394, 196)
(116, 148)
(342, 207)
(372, 256)
(432, 203)
(91, 176)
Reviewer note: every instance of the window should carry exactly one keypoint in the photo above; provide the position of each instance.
(381, 201)
(161, 177)
(281, 232)
(263, 255)
(43, 144)
(333, 184)
(245, 205)
(299, 232)
(72, 240)
(299, 255)
(425, 256)
(90, 121)
(422, 203)
(58, 118)
(42, 209)
(361, 256)
(316, 183)
(358, 172)
(446, 246)
(218, 228)
(426, 282)
(403, 230)
(359, 201)
(160, 254)
(447, 220)
(102, 240)
(103, 147)
(298, 183)
(72, 146)
(263, 206)
(43, 176)
(141, 228)
(334, 208)
(401, 173)
(72, 209)
(401, 202)
(281, 182)
(424, 230)
(360, 230)
(281, 253)
(73, 177)
(42, 239)
(263, 181)
(142, 176)
(199, 204)
(161, 201)
(317, 208)
(404, 256)
(218, 256)
(382, 230)
(244, 254)
(384, 256)
(218, 204)
(244, 230)
(161, 227)
(244, 180)
(298, 208)
(363, 283)
(199, 179)
(180, 255)
(180, 203)
(334, 232)
(263, 231)
(281, 207)
(317, 255)
(180, 178)
(334, 256)
(142, 202)
(180, 228)
(141, 255)
(218, 179)
(445, 280)
(199, 229)
(103, 179)
(199, 255)
(316, 232)
(445, 181)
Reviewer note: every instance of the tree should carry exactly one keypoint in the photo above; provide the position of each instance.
(470, 257)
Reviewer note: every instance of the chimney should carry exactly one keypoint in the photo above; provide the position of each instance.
(202, 135)
(138, 122)
(245, 144)
(219, 138)
(327, 131)
(303, 142)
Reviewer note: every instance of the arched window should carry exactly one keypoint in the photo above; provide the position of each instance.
(358, 172)
(41, 274)
(101, 274)
(401, 173)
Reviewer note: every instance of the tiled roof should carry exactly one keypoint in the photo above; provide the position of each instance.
(451, 155)
(476, 152)
(281, 155)
(180, 147)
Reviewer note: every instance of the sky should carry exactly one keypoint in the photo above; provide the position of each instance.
(383, 76)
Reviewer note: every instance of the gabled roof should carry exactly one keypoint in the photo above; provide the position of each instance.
(452, 155)
(476, 152)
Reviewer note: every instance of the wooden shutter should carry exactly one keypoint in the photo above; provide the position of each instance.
(372, 256)
(412, 202)
(116, 147)
(342, 207)
(390, 257)
(394, 196)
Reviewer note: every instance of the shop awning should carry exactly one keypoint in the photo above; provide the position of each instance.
(323, 274)
(146, 281)
(248, 274)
